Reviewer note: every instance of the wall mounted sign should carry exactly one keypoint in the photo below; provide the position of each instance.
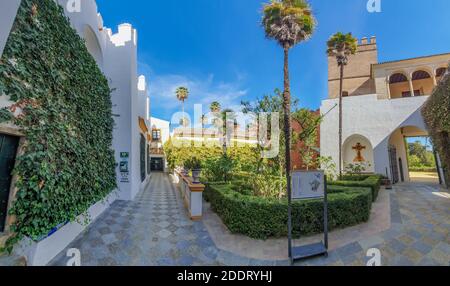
(308, 185)
(123, 167)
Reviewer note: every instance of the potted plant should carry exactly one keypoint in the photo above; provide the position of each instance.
(195, 165)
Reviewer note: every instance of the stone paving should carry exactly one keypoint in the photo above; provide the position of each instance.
(418, 236)
(154, 230)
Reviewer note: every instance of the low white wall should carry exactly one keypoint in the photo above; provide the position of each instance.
(42, 252)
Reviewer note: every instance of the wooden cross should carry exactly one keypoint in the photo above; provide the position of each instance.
(358, 148)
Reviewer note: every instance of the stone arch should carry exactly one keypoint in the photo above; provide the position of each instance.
(398, 151)
(351, 155)
(398, 84)
(93, 45)
(422, 81)
(440, 72)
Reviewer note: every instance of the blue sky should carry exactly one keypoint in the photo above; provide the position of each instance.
(217, 47)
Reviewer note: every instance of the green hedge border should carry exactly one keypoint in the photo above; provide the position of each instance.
(262, 218)
(361, 181)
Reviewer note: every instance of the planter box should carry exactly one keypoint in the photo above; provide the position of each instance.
(40, 253)
(192, 195)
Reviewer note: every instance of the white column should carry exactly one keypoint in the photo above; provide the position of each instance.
(411, 86)
(388, 87)
(434, 78)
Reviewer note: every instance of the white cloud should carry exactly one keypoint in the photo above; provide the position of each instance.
(201, 91)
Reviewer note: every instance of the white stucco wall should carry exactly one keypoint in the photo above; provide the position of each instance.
(116, 55)
(372, 118)
(164, 126)
(8, 11)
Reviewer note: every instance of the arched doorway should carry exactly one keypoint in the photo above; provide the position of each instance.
(412, 157)
(422, 83)
(398, 85)
(358, 152)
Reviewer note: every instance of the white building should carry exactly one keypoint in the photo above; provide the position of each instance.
(381, 108)
(116, 56)
(159, 135)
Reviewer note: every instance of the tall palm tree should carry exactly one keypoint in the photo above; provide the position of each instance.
(341, 46)
(215, 107)
(182, 94)
(288, 22)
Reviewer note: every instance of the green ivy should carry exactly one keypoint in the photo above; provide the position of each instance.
(436, 113)
(67, 163)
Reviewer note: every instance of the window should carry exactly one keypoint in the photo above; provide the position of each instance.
(344, 93)
(156, 135)
(406, 94)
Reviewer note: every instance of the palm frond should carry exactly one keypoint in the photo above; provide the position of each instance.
(288, 21)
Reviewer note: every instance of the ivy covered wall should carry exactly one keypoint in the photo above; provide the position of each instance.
(437, 118)
(63, 108)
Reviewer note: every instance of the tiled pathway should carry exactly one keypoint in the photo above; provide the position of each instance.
(154, 230)
(419, 233)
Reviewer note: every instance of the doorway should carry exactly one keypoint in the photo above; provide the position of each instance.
(157, 165)
(422, 162)
(8, 151)
(393, 164)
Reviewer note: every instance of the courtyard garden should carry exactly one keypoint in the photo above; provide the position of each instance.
(249, 194)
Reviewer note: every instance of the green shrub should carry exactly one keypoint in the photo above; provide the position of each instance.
(262, 218)
(371, 181)
(423, 169)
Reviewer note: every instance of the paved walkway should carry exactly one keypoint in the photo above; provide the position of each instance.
(418, 236)
(154, 230)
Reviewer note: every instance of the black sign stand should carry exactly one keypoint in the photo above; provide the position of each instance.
(311, 250)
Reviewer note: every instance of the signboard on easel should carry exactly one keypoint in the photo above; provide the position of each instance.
(309, 185)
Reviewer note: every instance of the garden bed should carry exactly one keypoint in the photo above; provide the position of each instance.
(262, 218)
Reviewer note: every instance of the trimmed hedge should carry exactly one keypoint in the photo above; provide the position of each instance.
(361, 181)
(262, 218)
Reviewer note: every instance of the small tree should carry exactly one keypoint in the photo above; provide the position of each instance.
(307, 137)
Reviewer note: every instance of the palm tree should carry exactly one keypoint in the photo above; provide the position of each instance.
(341, 46)
(288, 22)
(215, 107)
(182, 95)
(229, 121)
